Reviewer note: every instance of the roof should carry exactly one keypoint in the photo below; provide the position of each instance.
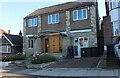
(15, 40)
(59, 7)
(2, 31)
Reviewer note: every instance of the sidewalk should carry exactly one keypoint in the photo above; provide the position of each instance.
(74, 72)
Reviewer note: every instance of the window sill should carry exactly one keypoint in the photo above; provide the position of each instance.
(79, 20)
(30, 48)
(53, 23)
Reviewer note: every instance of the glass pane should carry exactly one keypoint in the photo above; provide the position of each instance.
(53, 18)
(4, 49)
(79, 14)
(84, 13)
(49, 19)
(75, 15)
(81, 41)
(116, 28)
(9, 50)
(31, 43)
(57, 18)
(35, 21)
(85, 41)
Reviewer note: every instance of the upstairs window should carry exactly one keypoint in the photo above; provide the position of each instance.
(30, 44)
(54, 18)
(79, 14)
(32, 22)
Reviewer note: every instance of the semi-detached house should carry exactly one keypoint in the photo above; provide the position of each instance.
(52, 29)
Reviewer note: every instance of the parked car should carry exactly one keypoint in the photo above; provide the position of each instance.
(117, 48)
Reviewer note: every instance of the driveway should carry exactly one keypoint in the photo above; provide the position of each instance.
(84, 62)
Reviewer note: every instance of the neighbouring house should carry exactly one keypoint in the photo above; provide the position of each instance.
(11, 44)
(52, 29)
(111, 22)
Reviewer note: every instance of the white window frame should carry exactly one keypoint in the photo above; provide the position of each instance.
(6, 47)
(51, 19)
(78, 15)
(83, 41)
(32, 22)
(115, 26)
(30, 44)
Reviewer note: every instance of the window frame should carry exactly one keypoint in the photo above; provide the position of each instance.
(32, 22)
(7, 47)
(114, 27)
(77, 16)
(30, 43)
(84, 41)
(50, 18)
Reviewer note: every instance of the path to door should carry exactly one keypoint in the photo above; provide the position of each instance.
(84, 62)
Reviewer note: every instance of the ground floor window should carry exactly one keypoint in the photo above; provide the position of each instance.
(82, 41)
(115, 28)
(30, 43)
(5, 49)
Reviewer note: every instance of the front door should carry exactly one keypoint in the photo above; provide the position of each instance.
(77, 47)
(50, 43)
(54, 43)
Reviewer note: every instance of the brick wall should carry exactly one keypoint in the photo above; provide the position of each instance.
(107, 30)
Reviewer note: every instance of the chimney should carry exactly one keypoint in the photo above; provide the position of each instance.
(20, 33)
(8, 31)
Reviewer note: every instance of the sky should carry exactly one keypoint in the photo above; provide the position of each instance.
(12, 12)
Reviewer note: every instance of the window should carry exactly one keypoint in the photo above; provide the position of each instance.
(30, 44)
(32, 22)
(83, 41)
(5, 49)
(115, 28)
(114, 4)
(79, 14)
(54, 18)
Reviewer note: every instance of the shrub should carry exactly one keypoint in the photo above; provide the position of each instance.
(42, 59)
(13, 57)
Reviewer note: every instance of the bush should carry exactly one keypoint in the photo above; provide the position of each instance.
(42, 59)
(13, 58)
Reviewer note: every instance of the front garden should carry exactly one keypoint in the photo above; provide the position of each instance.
(35, 60)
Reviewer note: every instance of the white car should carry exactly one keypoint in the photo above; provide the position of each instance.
(117, 50)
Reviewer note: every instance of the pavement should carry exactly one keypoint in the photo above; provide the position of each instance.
(64, 72)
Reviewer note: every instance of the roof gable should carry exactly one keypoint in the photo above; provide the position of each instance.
(14, 40)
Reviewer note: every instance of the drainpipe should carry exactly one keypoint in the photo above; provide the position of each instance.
(97, 24)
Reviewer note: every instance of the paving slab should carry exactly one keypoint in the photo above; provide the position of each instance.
(94, 72)
(26, 71)
(107, 73)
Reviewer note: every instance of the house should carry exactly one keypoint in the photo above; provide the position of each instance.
(11, 44)
(53, 29)
(112, 21)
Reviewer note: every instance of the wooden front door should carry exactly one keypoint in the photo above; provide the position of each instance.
(54, 43)
(51, 44)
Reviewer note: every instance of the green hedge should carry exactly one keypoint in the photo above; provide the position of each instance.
(42, 59)
(13, 57)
